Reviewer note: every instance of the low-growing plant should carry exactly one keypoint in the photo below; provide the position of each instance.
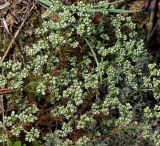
(85, 81)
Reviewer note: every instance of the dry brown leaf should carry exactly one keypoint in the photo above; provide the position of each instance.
(10, 20)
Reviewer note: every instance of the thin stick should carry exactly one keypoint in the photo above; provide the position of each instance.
(2, 110)
(16, 34)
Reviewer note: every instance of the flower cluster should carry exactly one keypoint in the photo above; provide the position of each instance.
(16, 123)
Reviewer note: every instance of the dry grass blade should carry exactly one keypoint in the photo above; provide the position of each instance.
(5, 25)
(4, 5)
(16, 34)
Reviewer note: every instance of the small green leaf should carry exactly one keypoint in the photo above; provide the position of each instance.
(24, 145)
(38, 97)
(32, 86)
(17, 143)
(9, 142)
(35, 143)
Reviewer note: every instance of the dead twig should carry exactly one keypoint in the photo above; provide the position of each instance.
(16, 34)
(2, 110)
(153, 31)
(151, 6)
(152, 14)
(5, 91)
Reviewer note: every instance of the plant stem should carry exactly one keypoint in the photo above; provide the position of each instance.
(96, 60)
